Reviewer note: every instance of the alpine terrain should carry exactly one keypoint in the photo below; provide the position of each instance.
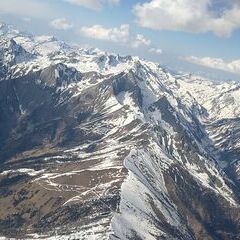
(100, 146)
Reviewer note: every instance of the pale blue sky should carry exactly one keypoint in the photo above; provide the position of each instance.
(178, 39)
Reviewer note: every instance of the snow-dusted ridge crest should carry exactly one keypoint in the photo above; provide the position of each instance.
(43, 51)
(94, 145)
(49, 50)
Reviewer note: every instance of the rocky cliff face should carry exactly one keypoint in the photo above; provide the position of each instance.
(95, 145)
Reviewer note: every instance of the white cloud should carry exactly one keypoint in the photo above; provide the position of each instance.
(61, 24)
(120, 34)
(26, 19)
(92, 4)
(113, 2)
(189, 16)
(26, 8)
(216, 63)
(141, 41)
(155, 50)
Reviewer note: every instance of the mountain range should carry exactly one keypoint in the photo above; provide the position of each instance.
(95, 145)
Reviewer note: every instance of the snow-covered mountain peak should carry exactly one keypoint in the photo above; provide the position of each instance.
(43, 51)
(7, 30)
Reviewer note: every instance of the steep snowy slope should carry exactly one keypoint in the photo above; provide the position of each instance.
(98, 146)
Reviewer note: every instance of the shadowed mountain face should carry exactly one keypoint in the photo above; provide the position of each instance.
(94, 145)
